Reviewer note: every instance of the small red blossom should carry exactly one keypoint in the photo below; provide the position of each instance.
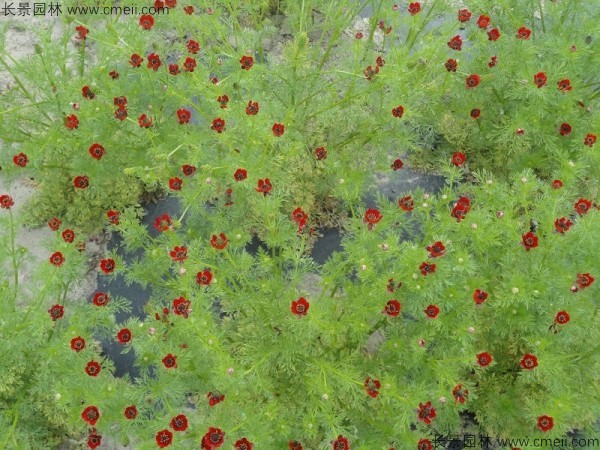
(370, 72)
(174, 69)
(461, 208)
(247, 62)
(392, 285)
(480, 296)
(427, 268)
(562, 317)
(589, 140)
(21, 159)
(146, 21)
(243, 444)
(472, 81)
(295, 445)
(398, 111)
(436, 249)
(240, 175)
(189, 64)
(565, 129)
(341, 443)
(392, 308)
(219, 242)
(107, 265)
(188, 170)
(458, 159)
(406, 203)
(523, 33)
(92, 368)
(183, 116)
(300, 217)
(451, 65)
(545, 423)
(320, 153)
(124, 336)
(455, 43)
(264, 186)
(136, 60)
(54, 224)
(163, 223)
(170, 361)
(57, 259)
(178, 254)
(557, 184)
(464, 15)
(130, 412)
(78, 343)
(189, 10)
(564, 85)
(193, 46)
(483, 21)
(86, 92)
(563, 224)
(484, 359)
(397, 164)
(94, 440)
(71, 122)
(584, 280)
(493, 61)
(179, 423)
(372, 387)
(214, 80)
(358, 35)
(529, 240)
(164, 438)
(426, 412)
(204, 278)
(81, 182)
(113, 216)
(460, 394)
(215, 398)
(101, 299)
(97, 151)
(300, 307)
(56, 311)
(218, 125)
(529, 361)
(414, 8)
(380, 61)
(121, 114)
(223, 100)
(213, 438)
(475, 113)
(68, 236)
(278, 129)
(81, 32)
(582, 206)
(540, 79)
(432, 311)
(175, 183)
(144, 121)
(170, 3)
(493, 34)
(372, 217)
(91, 415)
(113, 74)
(424, 444)
(252, 108)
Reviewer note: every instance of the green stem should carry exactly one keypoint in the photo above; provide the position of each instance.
(542, 16)
(82, 59)
(14, 260)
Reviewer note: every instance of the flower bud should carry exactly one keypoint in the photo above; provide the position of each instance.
(182, 271)
(422, 342)
(515, 290)
(471, 330)
(442, 399)
(473, 225)
(151, 331)
(325, 397)
(230, 371)
(499, 214)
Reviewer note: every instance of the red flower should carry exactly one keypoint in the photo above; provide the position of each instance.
(174, 69)
(278, 129)
(589, 140)
(179, 423)
(300, 217)
(204, 278)
(124, 335)
(484, 359)
(215, 398)
(130, 412)
(214, 80)
(406, 203)
(426, 412)
(81, 32)
(218, 125)
(181, 307)
(57, 259)
(295, 445)
(472, 81)
(170, 3)
(121, 114)
(565, 129)
(414, 8)
(564, 85)
(188, 170)
(426, 268)
(483, 21)
(461, 208)
(21, 159)
(54, 224)
(219, 242)
(146, 21)
(372, 386)
(78, 343)
(243, 444)
(458, 159)
(264, 186)
(493, 34)
(97, 151)
(370, 72)
(71, 122)
(372, 217)
(425, 444)
(392, 286)
(436, 249)
(213, 438)
(341, 443)
(475, 113)
(480, 296)
(392, 308)
(530, 240)
(113, 74)
(175, 183)
(455, 43)
(189, 64)
(523, 33)
(451, 65)
(252, 108)
(545, 423)
(582, 206)
(562, 317)
(94, 440)
(164, 438)
(56, 311)
(189, 10)
(163, 223)
(144, 121)
(460, 394)
(68, 236)
(92, 369)
(557, 184)
(464, 15)
(529, 361)
(91, 415)
(432, 311)
(397, 164)
(193, 46)
(81, 182)
(380, 61)
(113, 216)
(493, 61)
(136, 60)
(223, 100)
(86, 92)
(540, 79)
(6, 201)
(178, 254)
(320, 153)
(101, 299)
(584, 280)
(247, 62)
(398, 111)
(563, 224)
(183, 116)
(300, 307)
(170, 361)
(107, 265)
